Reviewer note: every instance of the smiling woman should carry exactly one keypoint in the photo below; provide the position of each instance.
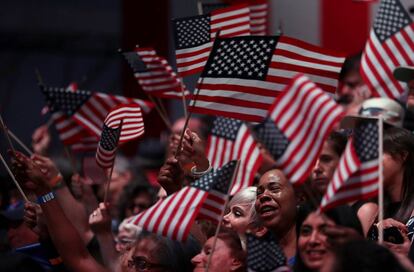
(276, 208)
(313, 247)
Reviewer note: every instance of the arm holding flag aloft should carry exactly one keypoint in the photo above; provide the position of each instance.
(64, 235)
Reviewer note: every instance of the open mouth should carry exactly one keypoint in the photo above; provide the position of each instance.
(267, 210)
(315, 254)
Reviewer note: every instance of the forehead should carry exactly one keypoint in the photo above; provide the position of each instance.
(273, 176)
(318, 219)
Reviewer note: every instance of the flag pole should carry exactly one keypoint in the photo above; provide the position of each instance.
(6, 132)
(199, 7)
(14, 178)
(194, 103)
(183, 100)
(381, 179)
(180, 143)
(108, 182)
(236, 169)
(17, 140)
(71, 159)
(164, 111)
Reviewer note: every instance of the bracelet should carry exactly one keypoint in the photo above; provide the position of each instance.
(46, 198)
(56, 182)
(196, 174)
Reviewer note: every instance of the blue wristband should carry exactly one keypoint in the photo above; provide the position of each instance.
(45, 198)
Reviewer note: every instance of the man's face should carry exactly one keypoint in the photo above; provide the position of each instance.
(410, 100)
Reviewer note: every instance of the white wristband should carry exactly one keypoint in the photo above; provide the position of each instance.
(196, 174)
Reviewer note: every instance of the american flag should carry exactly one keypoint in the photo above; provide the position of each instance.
(132, 122)
(214, 205)
(264, 254)
(258, 17)
(73, 87)
(85, 144)
(258, 14)
(391, 44)
(194, 35)
(105, 154)
(244, 74)
(86, 108)
(356, 176)
(154, 74)
(230, 139)
(173, 216)
(297, 125)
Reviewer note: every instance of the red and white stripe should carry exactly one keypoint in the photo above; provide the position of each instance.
(293, 56)
(173, 216)
(258, 17)
(306, 115)
(352, 180)
(131, 118)
(232, 21)
(159, 80)
(85, 144)
(245, 148)
(250, 99)
(213, 206)
(380, 59)
(94, 111)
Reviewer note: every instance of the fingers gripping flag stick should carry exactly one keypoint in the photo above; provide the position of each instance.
(297, 125)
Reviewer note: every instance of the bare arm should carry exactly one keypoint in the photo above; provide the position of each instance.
(73, 209)
(64, 235)
(100, 222)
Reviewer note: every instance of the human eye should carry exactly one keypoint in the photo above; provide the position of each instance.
(305, 230)
(238, 212)
(259, 191)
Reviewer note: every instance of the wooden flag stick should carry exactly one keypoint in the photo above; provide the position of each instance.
(381, 179)
(17, 140)
(184, 100)
(236, 169)
(71, 159)
(39, 77)
(14, 178)
(164, 118)
(199, 7)
(108, 182)
(180, 143)
(6, 132)
(162, 107)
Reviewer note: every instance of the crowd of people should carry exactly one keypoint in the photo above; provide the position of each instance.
(73, 229)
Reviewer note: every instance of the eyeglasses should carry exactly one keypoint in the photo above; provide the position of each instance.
(142, 264)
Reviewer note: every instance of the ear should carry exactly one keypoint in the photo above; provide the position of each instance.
(259, 231)
(235, 264)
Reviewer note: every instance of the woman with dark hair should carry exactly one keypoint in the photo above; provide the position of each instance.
(327, 162)
(228, 254)
(313, 246)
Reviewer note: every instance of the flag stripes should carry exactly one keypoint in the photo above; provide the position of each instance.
(132, 121)
(390, 45)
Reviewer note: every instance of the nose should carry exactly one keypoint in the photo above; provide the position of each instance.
(314, 238)
(264, 197)
(197, 258)
(226, 220)
(317, 169)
